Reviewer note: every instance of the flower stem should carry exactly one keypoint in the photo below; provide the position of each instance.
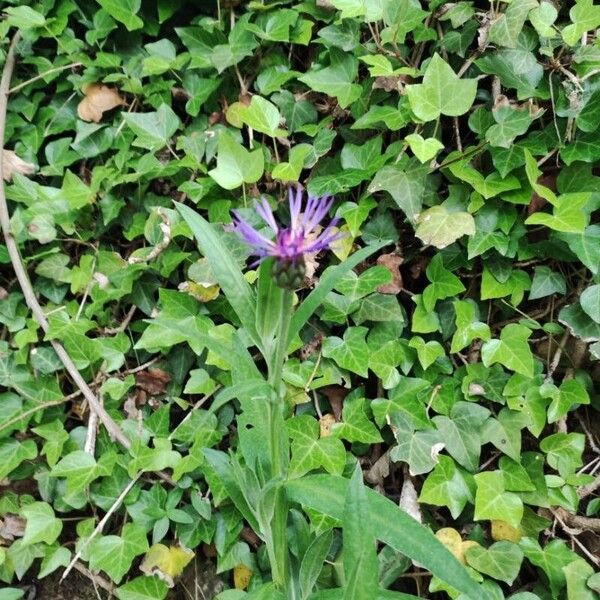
(278, 444)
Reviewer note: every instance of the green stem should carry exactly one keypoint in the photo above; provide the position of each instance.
(277, 444)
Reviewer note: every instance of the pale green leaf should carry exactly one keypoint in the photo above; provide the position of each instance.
(441, 93)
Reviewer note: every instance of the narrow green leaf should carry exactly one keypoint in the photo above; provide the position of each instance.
(391, 525)
(229, 275)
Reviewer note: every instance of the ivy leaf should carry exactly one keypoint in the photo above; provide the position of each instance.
(153, 129)
(586, 246)
(506, 29)
(114, 554)
(416, 448)
(383, 360)
(489, 186)
(514, 285)
(516, 478)
(79, 468)
(551, 559)
(24, 17)
(379, 307)
(505, 432)
(510, 123)
(584, 16)
(13, 453)
(546, 282)
(579, 322)
(468, 327)
(405, 185)
(542, 18)
(444, 283)
(235, 164)
(427, 352)
(423, 149)
(441, 93)
(590, 302)
(493, 502)
(309, 451)
(240, 43)
(570, 393)
(564, 451)
(501, 560)
(405, 398)
(440, 228)
(567, 216)
(461, 432)
(290, 171)
(351, 353)
(447, 485)
(357, 286)
(261, 115)
(511, 350)
(337, 79)
(355, 214)
(355, 425)
(577, 575)
(42, 524)
(143, 588)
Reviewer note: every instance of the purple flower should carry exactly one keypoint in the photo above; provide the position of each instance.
(292, 243)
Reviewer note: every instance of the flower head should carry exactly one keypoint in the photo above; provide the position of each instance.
(290, 244)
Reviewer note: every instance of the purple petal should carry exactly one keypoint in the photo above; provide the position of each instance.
(250, 235)
(295, 206)
(266, 214)
(321, 209)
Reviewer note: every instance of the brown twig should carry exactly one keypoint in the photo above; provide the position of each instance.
(96, 579)
(21, 273)
(123, 326)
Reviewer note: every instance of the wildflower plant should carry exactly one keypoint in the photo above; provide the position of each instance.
(257, 477)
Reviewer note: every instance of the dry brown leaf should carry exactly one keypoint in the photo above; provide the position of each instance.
(379, 470)
(153, 381)
(11, 527)
(11, 163)
(98, 99)
(326, 422)
(392, 263)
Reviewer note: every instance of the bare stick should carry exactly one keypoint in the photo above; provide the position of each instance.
(99, 581)
(22, 276)
(101, 524)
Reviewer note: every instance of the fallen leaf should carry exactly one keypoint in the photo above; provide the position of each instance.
(408, 500)
(152, 381)
(452, 539)
(11, 527)
(167, 562)
(11, 163)
(501, 530)
(326, 422)
(392, 263)
(241, 577)
(98, 99)
(379, 470)
(335, 394)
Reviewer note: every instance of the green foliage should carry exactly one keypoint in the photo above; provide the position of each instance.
(451, 339)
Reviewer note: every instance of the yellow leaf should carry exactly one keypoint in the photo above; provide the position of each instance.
(342, 247)
(98, 99)
(454, 542)
(166, 562)
(501, 530)
(241, 576)
(202, 293)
